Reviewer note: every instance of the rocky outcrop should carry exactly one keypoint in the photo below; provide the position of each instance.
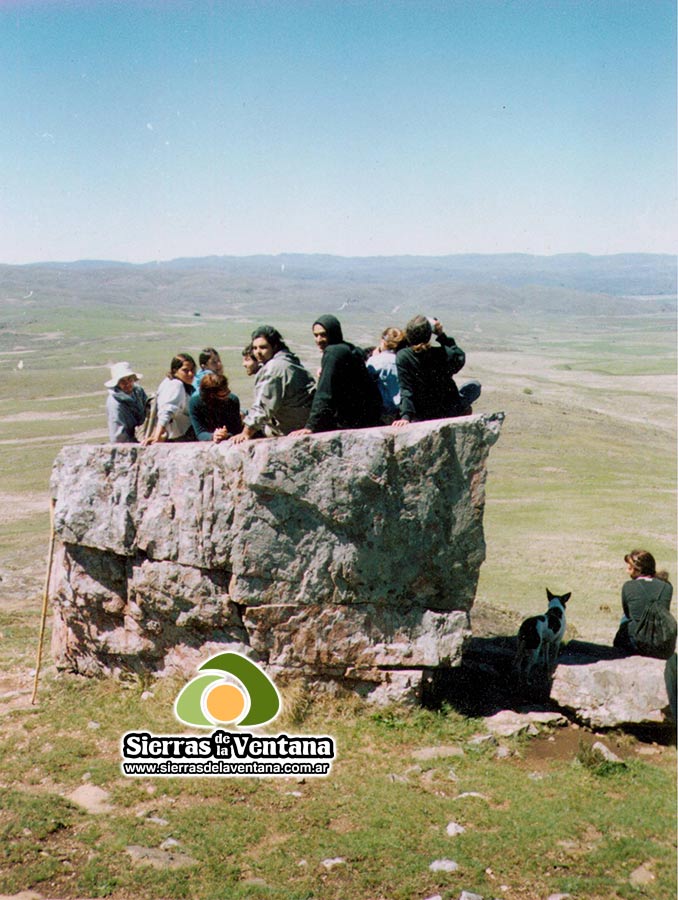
(349, 557)
(610, 692)
(594, 684)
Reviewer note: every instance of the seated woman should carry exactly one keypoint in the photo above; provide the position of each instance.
(125, 404)
(209, 361)
(214, 410)
(645, 586)
(382, 363)
(283, 388)
(427, 388)
(174, 392)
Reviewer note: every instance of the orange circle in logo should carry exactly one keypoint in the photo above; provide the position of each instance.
(225, 702)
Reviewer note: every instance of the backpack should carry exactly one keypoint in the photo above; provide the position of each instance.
(148, 427)
(655, 633)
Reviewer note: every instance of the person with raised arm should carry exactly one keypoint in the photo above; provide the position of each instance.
(425, 374)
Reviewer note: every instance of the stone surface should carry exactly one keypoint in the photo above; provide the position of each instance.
(444, 865)
(642, 876)
(607, 754)
(92, 798)
(350, 557)
(507, 722)
(159, 859)
(608, 693)
(593, 683)
(442, 751)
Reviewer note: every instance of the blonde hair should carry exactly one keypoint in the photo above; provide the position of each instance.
(393, 338)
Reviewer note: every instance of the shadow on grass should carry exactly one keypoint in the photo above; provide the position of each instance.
(485, 683)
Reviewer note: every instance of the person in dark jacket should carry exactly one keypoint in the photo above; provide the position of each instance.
(125, 404)
(427, 388)
(214, 410)
(347, 395)
(645, 586)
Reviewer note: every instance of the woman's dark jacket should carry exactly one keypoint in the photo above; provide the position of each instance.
(206, 418)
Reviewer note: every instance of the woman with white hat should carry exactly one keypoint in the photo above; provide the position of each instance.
(125, 404)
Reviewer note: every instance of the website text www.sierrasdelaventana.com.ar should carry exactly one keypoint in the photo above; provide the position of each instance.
(225, 753)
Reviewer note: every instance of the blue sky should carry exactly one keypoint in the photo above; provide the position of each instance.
(151, 130)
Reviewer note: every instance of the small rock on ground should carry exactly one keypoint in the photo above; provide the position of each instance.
(159, 859)
(642, 875)
(331, 863)
(444, 750)
(92, 798)
(507, 723)
(24, 895)
(443, 865)
(453, 828)
(605, 751)
(471, 794)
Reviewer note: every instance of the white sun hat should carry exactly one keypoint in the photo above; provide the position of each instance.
(121, 370)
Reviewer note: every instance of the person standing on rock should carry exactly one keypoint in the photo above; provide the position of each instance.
(125, 404)
(347, 395)
(283, 389)
(174, 392)
(646, 586)
(427, 388)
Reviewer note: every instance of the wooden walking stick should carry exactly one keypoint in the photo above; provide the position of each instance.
(45, 598)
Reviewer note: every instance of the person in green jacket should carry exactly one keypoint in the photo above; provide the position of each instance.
(645, 586)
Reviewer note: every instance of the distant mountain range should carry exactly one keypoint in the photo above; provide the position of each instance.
(618, 275)
(301, 285)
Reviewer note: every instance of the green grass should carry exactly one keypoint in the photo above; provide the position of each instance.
(573, 829)
(584, 470)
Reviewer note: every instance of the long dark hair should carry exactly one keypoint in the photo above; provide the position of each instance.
(178, 361)
(275, 339)
(272, 335)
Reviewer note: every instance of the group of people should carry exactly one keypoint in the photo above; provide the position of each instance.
(405, 378)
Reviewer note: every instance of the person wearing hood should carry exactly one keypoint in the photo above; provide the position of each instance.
(347, 395)
(125, 404)
(283, 389)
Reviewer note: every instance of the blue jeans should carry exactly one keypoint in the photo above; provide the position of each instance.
(470, 392)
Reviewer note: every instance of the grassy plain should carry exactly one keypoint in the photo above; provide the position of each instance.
(585, 469)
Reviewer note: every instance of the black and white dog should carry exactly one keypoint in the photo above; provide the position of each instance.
(539, 639)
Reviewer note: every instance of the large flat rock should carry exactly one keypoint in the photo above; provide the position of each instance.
(348, 555)
(610, 692)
